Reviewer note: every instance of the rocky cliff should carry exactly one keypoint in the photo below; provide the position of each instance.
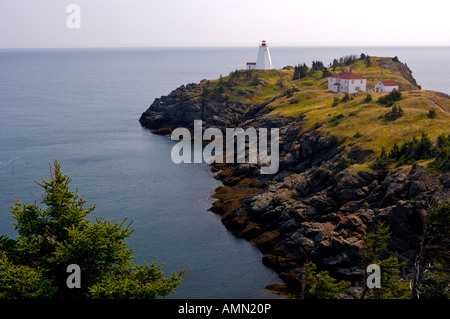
(312, 209)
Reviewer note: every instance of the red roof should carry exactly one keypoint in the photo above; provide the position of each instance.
(347, 76)
(389, 83)
(251, 63)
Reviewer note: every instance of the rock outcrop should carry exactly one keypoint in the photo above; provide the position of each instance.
(180, 109)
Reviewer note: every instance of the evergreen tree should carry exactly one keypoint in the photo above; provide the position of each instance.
(374, 252)
(325, 73)
(336, 101)
(393, 114)
(345, 98)
(342, 164)
(317, 65)
(442, 154)
(350, 59)
(35, 264)
(425, 148)
(432, 273)
(395, 152)
(320, 285)
(300, 71)
(368, 98)
(389, 99)
(382, 162)
(432, 114)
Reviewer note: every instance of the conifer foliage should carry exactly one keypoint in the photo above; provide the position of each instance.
(34, 265)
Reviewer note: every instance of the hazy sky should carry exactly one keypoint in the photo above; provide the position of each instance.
(147, 23)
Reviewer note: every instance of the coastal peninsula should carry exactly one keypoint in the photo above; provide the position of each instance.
(348, 162)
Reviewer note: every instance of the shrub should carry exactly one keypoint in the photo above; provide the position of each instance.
(374, 249)
(336, 101)
(220, 89)
(393, 114)
(389, 99)
(411, 151)
(442, 154)
(382, 162)
(345, 98)
(320, 285)
(342, 164)
(368, 98)
(432, 114)
(325, 73)
(435, 274)
(335, 119)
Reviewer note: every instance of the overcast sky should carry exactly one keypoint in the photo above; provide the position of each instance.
(171, 23)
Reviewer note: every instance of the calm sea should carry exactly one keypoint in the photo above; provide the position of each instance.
(82, 107)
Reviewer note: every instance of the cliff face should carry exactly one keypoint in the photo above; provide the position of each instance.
(312, 209)
(186, 104)
(398, 69)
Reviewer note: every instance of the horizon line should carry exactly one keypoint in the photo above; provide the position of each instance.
(224, 46)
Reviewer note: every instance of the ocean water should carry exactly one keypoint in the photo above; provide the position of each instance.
(81, 107)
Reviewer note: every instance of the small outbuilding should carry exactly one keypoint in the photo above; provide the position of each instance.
(251, 65)
(386, 86)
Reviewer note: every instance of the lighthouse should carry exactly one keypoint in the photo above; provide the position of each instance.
(263, 62)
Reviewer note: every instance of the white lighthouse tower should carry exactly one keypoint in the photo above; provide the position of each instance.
(263, 62)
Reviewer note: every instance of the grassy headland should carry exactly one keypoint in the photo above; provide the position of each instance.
(354, 120)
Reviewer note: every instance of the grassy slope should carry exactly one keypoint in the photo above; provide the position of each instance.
(313, 104)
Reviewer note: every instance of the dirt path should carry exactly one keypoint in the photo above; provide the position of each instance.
(443, 109)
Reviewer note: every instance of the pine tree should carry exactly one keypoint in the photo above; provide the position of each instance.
(368, 98)
(431, 267)
(300, 71)
(317, 65)
(325, 73)
(373, 252)
(320, 285)
(34, 265)
(432, 114)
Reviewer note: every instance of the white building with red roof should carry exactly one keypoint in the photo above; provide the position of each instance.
(386, 86)
(347, 82)
(251, 65)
